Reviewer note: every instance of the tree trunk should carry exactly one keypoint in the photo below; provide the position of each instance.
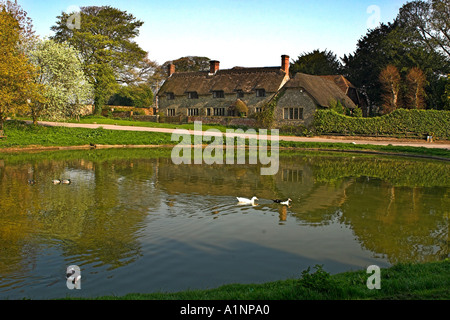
(2, 131)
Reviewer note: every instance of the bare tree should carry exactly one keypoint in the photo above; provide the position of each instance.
(391, 82)
(415, 95)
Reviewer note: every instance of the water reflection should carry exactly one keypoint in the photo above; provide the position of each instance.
(126, 209)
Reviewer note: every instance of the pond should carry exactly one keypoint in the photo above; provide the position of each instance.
(134, 222)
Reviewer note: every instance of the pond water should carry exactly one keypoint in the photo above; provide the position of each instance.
(136, 223)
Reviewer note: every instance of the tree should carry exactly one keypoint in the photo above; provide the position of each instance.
(139, 96)
(188, 64)
(415, 95)
(446, 95)
(27, 34)
(394, 44)
(391, 82)
(16, 72)
(318, 63)
(105, 42)
(428, 21)
(61, 72)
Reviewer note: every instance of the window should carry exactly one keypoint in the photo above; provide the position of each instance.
(193, 112)
(219, 112)
(259, 110)
(192, 95)
(260, 92)
(292, 175)
(208, 112)
(171, 112)
(293, 113)
(170, 96)
(218, 94)
(240, 94)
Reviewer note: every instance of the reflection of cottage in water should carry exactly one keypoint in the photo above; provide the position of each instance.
(295, 179)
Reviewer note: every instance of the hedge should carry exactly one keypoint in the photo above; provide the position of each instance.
(401, 122)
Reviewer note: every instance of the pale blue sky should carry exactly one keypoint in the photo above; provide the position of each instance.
(246, 33)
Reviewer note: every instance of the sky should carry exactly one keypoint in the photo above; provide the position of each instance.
(246, 33)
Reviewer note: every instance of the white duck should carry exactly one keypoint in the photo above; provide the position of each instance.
(247, 201)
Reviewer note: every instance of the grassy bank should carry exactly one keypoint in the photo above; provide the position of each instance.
(428, 281)
(21, 135)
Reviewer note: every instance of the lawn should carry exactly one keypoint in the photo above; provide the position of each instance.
(19, 135)
(427, 281)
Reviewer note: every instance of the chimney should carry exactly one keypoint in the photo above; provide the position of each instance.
(285, 63)
(214, 66)
(170, 69)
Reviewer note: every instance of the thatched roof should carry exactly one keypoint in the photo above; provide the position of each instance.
(341, 82)
(321, 89)
(230, 81)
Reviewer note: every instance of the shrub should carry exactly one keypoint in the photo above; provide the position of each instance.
(401, 122)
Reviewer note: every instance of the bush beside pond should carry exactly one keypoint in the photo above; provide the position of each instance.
(400, 123)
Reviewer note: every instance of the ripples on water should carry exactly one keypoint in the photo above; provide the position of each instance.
(137, 223)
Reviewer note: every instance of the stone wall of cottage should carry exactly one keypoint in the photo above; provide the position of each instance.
(295, 98)
(181, 104)
(225, 121)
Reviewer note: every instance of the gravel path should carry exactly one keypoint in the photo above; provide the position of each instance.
(355, 140)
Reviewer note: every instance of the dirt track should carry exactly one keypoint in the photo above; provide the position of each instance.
(355, 140)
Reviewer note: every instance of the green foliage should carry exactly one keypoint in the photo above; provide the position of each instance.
(140, 96)
(266, 118)
(337, 107)
(61, 72)
(241, 108)
(318, 63)
(401, 122)
(427, 281)
(187, 64)
(357, 112)
(320, 280)
(394, 43)
(446, 95)
(106, 44)
(16, 72)
(104, 86)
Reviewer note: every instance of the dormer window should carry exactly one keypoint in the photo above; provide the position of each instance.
(192, 95)
(218, 94)
(260, 92)
(240, 94)
(170, 96)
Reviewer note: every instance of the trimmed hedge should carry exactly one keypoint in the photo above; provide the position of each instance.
(401, 122)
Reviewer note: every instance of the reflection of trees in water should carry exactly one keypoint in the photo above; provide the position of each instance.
(405, 224)
(96, 218)
(403, 219)
(400, 214)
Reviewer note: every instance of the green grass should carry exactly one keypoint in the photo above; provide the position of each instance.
(428, 281)
(22, 135)
(133, 123)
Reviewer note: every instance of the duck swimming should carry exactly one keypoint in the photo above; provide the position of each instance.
(247, 201)
(66, 181)
(285, 203)
(56, 181)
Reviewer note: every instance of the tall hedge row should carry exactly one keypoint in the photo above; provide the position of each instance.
(402, 122)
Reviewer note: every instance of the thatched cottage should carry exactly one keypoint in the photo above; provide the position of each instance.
(220, 93)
